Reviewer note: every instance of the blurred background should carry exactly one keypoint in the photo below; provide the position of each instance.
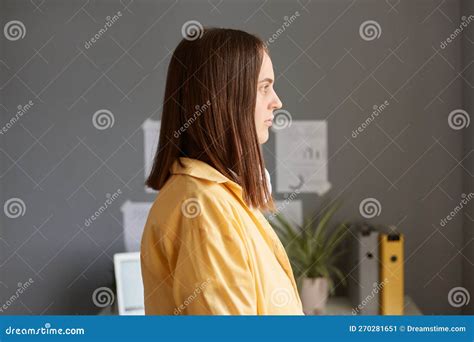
(81, 91)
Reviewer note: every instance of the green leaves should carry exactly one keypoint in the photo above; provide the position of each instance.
(311, 248)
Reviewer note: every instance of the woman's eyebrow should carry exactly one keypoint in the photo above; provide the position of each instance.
(266, 80)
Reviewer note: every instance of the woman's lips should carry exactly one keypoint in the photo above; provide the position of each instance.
(269, 122)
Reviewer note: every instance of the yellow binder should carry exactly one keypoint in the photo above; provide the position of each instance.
(391, 274)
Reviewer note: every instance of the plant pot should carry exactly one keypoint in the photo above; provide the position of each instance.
(314, 295)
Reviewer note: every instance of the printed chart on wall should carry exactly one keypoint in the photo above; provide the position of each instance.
(134, 215)
(301, 153)
(151, 133)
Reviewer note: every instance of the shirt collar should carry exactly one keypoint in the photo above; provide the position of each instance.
(198, 169)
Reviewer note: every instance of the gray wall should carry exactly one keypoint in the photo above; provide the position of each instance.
(468, 171)
(62, 167)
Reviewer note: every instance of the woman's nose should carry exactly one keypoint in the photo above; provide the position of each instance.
(276, 103)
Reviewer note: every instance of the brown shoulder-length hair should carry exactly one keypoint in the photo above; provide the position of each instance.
(209, 110)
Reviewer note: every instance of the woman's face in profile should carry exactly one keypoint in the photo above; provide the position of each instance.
(267, 100)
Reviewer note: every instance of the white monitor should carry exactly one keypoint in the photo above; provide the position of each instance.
(128, 276)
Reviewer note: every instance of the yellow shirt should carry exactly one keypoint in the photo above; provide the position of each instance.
(205, 252)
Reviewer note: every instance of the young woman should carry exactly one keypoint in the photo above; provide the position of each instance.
(206, 248)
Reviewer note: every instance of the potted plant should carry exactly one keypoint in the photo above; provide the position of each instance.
(312, 253)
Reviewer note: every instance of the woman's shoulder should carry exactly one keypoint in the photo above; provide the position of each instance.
(187, 197)
(179, 188)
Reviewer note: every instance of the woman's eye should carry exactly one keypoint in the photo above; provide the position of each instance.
(265, 88)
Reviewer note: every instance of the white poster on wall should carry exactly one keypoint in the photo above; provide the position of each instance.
(301, 153)
(134, 215)
(151, 135)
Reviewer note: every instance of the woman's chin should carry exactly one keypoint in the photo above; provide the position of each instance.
(262, 139)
